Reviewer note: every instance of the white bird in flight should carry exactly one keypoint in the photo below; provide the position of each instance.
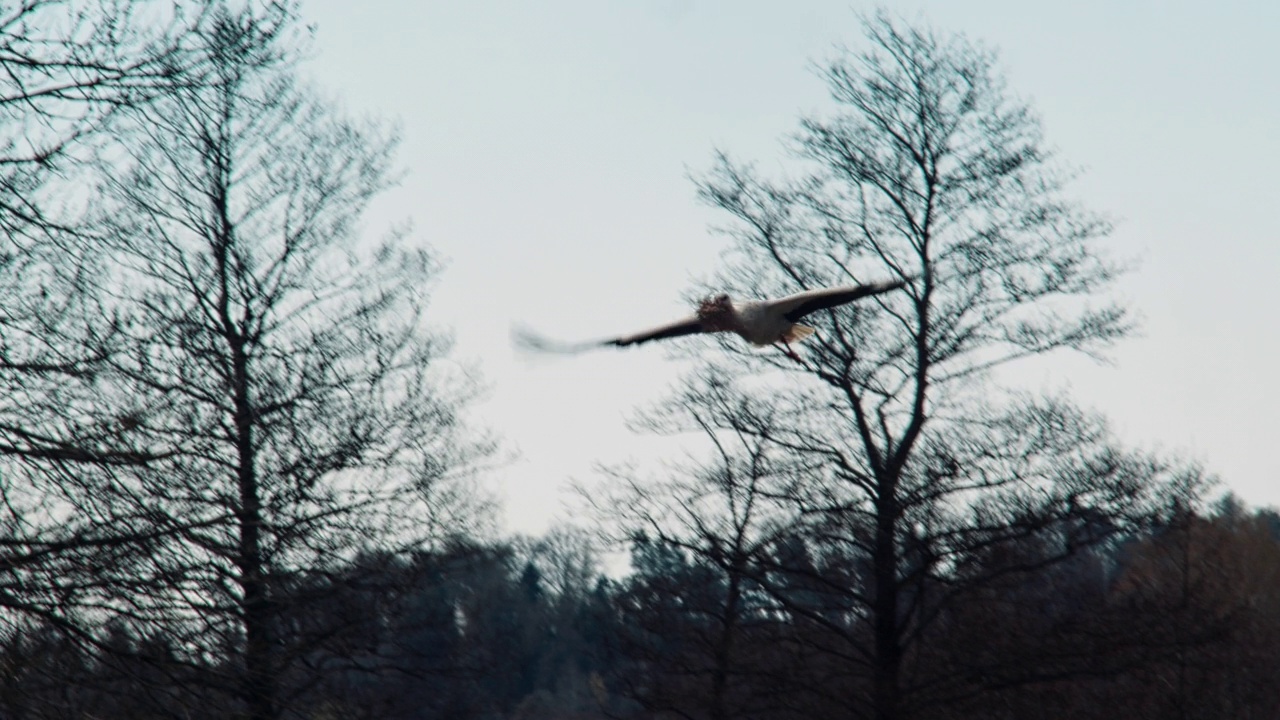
(760, 322)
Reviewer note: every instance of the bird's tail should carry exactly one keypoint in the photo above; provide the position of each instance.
(797, 333)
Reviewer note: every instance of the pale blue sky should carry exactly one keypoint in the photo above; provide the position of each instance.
(548, 145)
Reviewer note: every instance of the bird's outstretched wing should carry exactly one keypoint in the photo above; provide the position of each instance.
(687, 326)
(796, 306)
(526, 339)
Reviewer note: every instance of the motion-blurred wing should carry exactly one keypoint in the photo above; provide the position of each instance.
(796, 306)
(526, 339)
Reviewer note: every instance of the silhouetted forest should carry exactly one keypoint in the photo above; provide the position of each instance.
(237, 480)
(1179, 622)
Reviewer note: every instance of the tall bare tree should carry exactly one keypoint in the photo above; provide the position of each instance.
(925, 470)
(274, 367)
(64, 69)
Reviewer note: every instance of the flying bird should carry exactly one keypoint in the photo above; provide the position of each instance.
(759, 322)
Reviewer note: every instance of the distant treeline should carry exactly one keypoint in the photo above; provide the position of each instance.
(1181, 622)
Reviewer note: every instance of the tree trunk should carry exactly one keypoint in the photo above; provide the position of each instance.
(888, 655)
(259, 690)
(724, 647)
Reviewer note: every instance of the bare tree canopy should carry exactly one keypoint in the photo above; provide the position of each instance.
(913, 482)
(64, 68)
(67, 66)
(267, 372)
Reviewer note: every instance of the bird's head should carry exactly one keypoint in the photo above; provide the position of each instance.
(716, 312)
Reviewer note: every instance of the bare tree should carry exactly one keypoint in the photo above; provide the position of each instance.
(694, 613)
(64, 68)
(923, 468)
(276, 370)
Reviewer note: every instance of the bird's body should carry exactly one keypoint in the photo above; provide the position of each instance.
(759, 322)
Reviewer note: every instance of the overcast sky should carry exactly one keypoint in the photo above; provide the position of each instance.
(548, 146)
